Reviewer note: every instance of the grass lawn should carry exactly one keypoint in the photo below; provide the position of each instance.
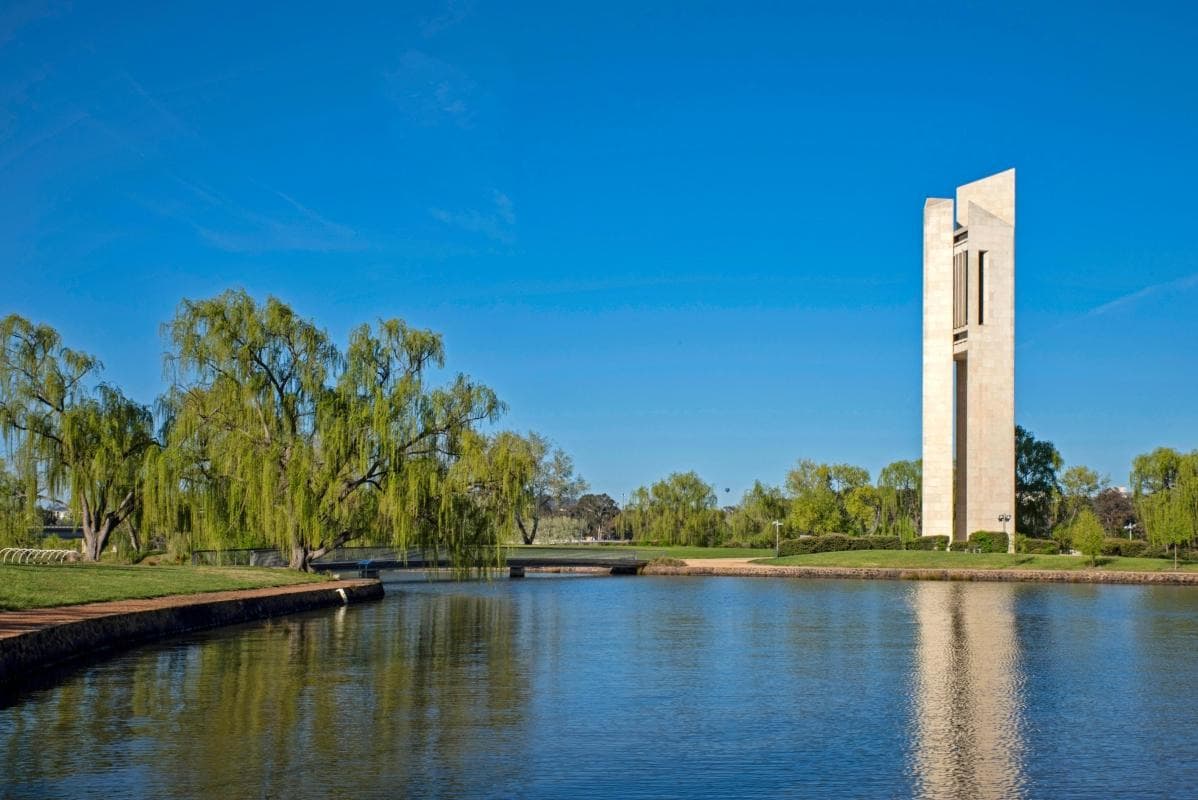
(914, 559)
(40, 587)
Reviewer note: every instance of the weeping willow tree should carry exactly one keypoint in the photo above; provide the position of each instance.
(1165, 491)
(70, 442)
(900, 489)
(274, 433)
(680, 509)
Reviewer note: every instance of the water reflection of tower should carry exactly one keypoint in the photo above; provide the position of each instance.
(967, 698)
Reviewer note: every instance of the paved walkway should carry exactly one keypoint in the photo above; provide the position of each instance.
(16, 623)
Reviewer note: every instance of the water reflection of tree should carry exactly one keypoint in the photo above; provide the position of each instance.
(968, 685)
(367, 697)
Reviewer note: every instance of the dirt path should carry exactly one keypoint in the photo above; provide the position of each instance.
(723, 562)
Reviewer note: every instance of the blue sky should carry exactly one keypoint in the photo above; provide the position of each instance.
(672, 236)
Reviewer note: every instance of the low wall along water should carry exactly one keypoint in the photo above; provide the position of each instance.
(40, 637)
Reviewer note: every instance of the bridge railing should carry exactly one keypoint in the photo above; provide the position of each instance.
(240, 557)
(574, 554)
(599, 555)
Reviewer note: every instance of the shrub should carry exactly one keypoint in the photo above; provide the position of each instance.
(666, 561)
(1037, 547)
(988, 541)
(1134, 548)
(879, 543)
(1164, 551)
(827, 543)
(762, 541)
(790, 547)
(57, 543)
(834, 542)
(928, 543)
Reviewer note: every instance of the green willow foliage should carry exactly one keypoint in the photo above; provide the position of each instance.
(1086, 534)
(276, 435)
(18, 514)
(754, 517)
(831, 498)
(678, 510)
(900, 490)
(1165, 492)
(65, 436)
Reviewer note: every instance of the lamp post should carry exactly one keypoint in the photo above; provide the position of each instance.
(1129, 527)
(1004, 519)
(777, 537)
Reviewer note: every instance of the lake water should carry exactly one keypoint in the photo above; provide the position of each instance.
(641, 687)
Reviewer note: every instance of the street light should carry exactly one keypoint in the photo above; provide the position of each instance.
(1004, 519)
(1129, 527)
(777, 540)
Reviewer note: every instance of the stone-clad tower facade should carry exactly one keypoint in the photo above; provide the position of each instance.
(969, 358)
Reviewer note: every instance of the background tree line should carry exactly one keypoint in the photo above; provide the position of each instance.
(816, 499)
(1052, 501)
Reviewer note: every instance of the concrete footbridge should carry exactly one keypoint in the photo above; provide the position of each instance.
(369, 561)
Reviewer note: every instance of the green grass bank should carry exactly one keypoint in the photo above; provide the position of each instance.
(30, 586)
(918, 559)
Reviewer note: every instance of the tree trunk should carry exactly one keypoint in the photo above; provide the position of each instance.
(529, 535)
(95, 539)
(300, 558)
(98, 524)
(333, 544)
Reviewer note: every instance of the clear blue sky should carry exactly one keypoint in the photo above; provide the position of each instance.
(672, 236)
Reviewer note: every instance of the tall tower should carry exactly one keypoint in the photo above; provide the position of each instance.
(969, 358)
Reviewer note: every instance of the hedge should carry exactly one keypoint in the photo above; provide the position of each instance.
(1161, 551)
(1037, 547)
(1113, 546)
(989, 541)
(835, 542)
(928, 543)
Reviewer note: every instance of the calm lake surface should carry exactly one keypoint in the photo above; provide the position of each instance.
(641, 687)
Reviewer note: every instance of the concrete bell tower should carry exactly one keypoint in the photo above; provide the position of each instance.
(969, 358)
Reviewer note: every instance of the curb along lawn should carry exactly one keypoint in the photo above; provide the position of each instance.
(33, 586)
(920, 559)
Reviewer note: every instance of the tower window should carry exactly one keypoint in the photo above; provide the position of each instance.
(961, 289)
(981, 285)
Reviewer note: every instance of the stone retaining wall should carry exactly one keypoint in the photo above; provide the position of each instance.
(37, 638)
(570, 570)
(891, 573)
